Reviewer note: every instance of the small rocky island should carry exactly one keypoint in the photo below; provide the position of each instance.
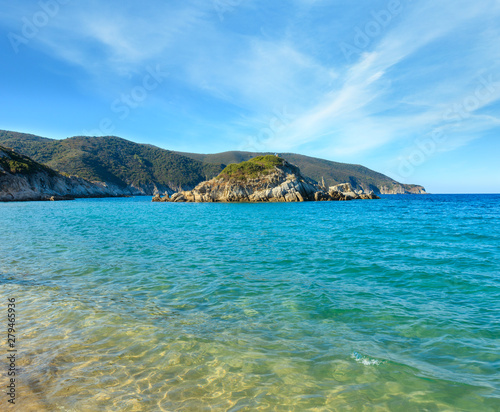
(263, 179)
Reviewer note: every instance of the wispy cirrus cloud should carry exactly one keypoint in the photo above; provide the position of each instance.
(128, 35)
(353, 115)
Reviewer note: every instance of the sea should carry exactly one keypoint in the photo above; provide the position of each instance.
(122, 304)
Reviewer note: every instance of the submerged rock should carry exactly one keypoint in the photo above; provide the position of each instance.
(262, 179)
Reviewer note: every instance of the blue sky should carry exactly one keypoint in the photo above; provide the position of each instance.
(409, 88)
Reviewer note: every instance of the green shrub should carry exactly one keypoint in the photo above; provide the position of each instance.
(252, 168)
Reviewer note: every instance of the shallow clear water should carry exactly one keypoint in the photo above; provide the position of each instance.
(128, 305)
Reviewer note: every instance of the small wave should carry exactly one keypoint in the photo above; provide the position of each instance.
(365, 360)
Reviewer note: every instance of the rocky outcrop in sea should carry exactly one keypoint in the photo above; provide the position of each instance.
(263, 179)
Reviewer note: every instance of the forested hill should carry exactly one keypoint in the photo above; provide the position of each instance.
(124, 163)
(112, 159)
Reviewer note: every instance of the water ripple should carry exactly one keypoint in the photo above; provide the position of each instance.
(130, 305)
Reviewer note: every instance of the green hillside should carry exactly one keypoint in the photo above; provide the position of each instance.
(121, 162)
(112, 159)
(15, 163)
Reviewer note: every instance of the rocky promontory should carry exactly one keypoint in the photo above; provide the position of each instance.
(263, 179)
(21, 178)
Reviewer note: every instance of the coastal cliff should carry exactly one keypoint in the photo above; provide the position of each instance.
(262, 179)
(402, 189)
(21, 178)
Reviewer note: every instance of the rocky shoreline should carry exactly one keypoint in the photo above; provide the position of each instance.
(23, 179)
(263, 179)
(44, 187)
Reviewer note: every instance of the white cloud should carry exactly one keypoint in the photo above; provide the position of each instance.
(261, 76)
(352, 115)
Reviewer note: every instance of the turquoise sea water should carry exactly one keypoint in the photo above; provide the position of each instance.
(128, 305)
